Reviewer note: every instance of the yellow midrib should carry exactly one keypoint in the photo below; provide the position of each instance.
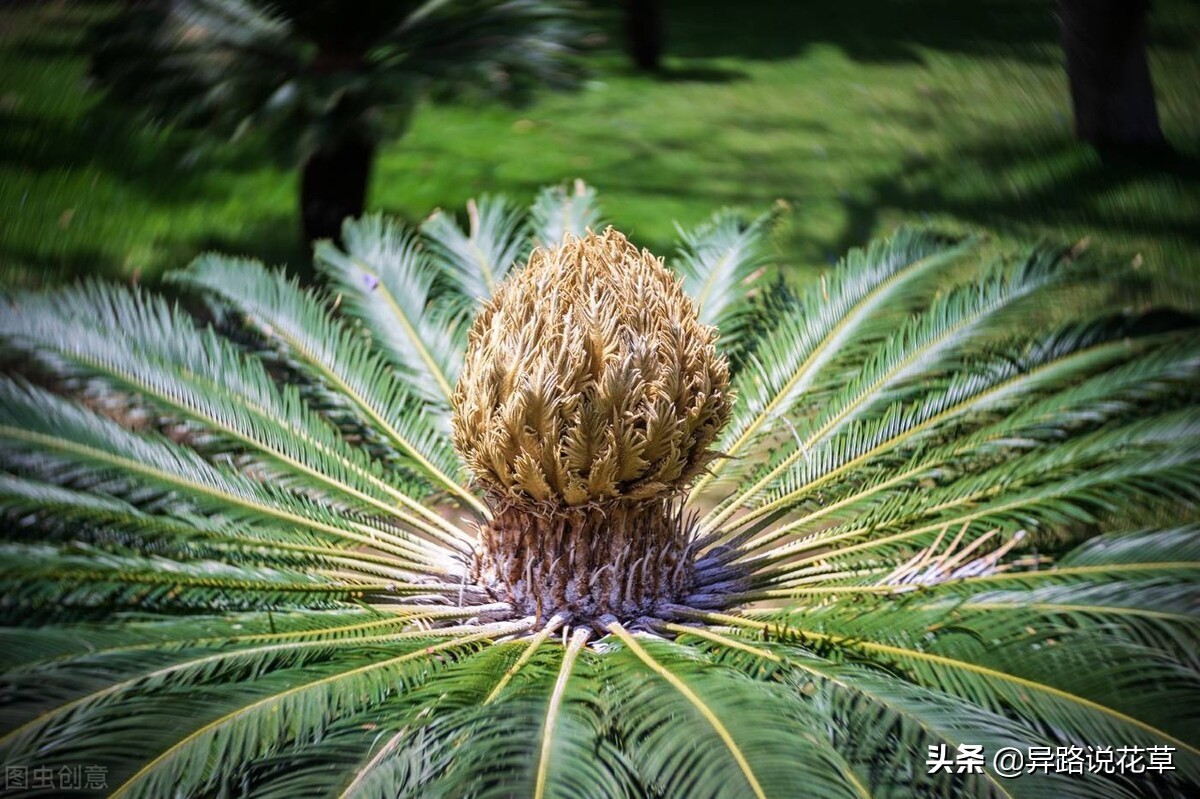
(578, 639)
(226, 718)
(688, 694)
(958, 664)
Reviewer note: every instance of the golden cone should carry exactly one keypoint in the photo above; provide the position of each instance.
(589, 377)
(588, 401)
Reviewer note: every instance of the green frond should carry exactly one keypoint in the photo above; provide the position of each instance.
(1147, 600)
(853, 307)
(1177, 544)
(385, 280)
(1009, 401)
(1141, 587)
(51, 439)
(1047, 677)
(38, 650)
(722, 262)
(453, 737)
(1053, 683)
(558, 211)
(141, 345)
(366, 745)
(554, 754)
(394, 750)
(745, 738)
(385, 751)
(352, 379)
(544, 736)
(928, 347)
(43, 512)
(886, 726)
(1050, 492)
(1155, 614)
(497, 46)
(43, 581)
(298, 707)
(65, 690)
(475, 261)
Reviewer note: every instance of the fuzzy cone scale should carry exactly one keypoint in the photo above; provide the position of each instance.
(589, 377)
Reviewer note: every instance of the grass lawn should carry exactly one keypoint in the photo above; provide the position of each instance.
(862, 115)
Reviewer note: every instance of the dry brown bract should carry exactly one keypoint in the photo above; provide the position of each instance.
(589, 377)
(591, 393)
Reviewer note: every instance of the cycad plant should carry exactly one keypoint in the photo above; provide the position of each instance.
(328, 81)
(457, 526)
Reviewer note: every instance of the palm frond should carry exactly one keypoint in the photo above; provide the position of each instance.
(1008, 402)
(542, 736)
(1051, 492)
(249, 711)
(558, 211)
(476, 260)
(298, 707)
(1058, 688)
(1180, 544)
(56, 441)
(929, 345)
(405, 748)
(886, 726)
(139, 344)
(64, 689)
(44, 512)
(507, 48)
(384, 279)
(353, 379)
(40, 580)
(721, 263)
(792, 358)
(1146, 600)
(78, 647)
(739, 743)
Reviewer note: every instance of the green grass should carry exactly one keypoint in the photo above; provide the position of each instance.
(861, 115)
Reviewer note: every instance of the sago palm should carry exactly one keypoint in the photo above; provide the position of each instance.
(325, 80)
(499, 514)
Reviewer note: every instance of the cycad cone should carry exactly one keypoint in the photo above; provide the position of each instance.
(588, 401)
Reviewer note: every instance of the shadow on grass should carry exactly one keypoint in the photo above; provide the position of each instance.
(101, 138)
(167, 166)
(21, 269)
(872, 31)
(275, 241)
(698, 73)
(1023, 183)
(1014, 186)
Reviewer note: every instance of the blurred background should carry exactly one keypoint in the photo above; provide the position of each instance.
(134, 135)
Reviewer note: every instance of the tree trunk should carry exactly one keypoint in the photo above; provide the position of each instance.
(333, 185)
(1105, 46)
(644, 32)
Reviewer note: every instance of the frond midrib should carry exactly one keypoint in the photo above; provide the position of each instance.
(384, 540)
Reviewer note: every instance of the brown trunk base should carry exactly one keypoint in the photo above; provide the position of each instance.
(621, 558)
(333, 186)
(644, 33)
(1104, 42)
